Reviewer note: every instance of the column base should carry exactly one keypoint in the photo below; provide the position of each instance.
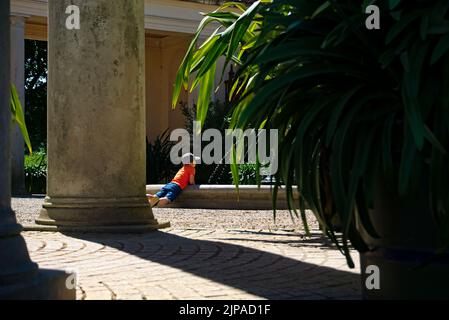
(96, 229)
(96, 215)
(46, 285)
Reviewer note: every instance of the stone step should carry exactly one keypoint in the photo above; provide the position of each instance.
(249, 197)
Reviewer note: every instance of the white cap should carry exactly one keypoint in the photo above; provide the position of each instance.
(188, 158)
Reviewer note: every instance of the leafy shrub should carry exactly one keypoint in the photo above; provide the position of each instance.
(159, 167)
(247, 173)
(36, 171)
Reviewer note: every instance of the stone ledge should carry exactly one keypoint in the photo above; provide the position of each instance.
(207, 196)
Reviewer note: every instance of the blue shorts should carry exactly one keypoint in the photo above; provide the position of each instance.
(170, 190)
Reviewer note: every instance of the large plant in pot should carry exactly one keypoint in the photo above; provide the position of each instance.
(363, 119)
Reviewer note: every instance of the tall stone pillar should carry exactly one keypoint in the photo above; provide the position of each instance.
(96, 119)
(19, 276)
(18, 78)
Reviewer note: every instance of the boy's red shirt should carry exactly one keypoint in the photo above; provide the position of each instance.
(183, 176)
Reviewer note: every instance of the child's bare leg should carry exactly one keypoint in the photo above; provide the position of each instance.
(163, 201)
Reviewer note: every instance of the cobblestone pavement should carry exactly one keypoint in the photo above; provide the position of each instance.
(199, 264)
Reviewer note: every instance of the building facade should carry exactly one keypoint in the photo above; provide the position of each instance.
(169, 25)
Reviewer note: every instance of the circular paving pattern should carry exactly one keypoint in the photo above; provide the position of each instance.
(199, 264)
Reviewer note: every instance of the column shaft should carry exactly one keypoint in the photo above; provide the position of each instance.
(14, 259)
(15, 264)
(17, 77)
(19, 276)
(6, 216)
(96, 118)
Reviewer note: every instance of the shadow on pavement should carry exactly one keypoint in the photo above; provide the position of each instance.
(261, 273)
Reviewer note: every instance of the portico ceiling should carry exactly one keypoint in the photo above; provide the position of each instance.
(163, 15)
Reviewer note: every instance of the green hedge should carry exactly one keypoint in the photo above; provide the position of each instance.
(36, 172)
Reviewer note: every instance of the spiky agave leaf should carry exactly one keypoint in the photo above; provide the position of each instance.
(349, 103)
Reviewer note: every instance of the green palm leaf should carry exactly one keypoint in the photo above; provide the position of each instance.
(350, 104)
(19, 117)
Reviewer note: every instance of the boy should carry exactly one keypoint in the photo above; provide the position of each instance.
(184, 177)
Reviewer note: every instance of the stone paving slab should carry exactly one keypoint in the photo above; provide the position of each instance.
(199, 264)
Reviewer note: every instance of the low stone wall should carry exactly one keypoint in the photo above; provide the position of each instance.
(225, 197)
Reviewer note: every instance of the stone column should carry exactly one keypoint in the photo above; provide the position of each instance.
(96, 119)
(19, 276)
(17, 77)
